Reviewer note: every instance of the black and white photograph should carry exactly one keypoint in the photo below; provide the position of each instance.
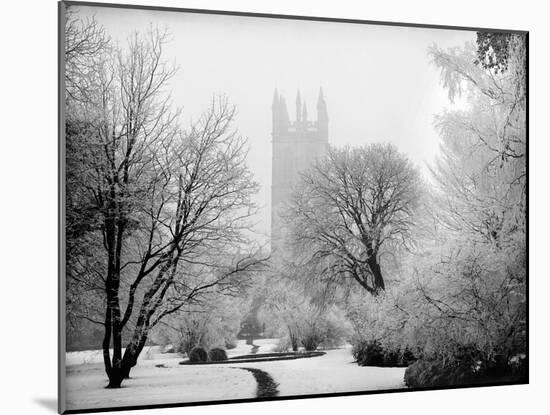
(262, 207)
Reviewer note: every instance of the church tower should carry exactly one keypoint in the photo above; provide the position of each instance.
(295, 145)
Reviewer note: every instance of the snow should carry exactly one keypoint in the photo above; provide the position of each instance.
(266, 345)
(151, 385)
(242, 348)
(174, 383)
(154, 352)
(96, 356)
(332, 373)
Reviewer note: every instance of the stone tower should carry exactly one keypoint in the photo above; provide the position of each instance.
(295, 146)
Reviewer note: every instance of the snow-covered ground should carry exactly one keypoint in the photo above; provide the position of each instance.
(96, 356)
(153, 385)
(151, 353)
(333, 372)
(174, 383)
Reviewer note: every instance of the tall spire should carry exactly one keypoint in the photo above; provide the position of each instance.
(321, 101)
(322, 113)
(322, 116)
(276, 115)
(304, 114)
(298, 107)
(275, 103)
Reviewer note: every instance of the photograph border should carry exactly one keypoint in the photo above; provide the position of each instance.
(62, 6)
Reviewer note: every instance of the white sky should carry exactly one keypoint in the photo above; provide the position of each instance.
(378, 81)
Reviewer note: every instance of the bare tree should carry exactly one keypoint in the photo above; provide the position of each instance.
(85, 44)
(350, 206)
(170, 206)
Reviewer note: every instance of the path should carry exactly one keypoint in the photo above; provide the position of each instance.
(332, 373)
(266, 385)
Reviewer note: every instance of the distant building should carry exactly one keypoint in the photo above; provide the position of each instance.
(295, 146)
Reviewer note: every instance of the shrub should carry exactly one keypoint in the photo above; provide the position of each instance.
(311, 341)
(407, 357)
(369, 353)
(293, 343)
(217, 355)
(422, 373)
(282, 346)
(432, 373)
(358, 350)
(372, 353)
(392, 358)
(485, 283)
(186, 345)
(502, 369)
(198, 355)
(467, 365)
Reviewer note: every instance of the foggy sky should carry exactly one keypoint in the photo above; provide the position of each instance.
(378, 81)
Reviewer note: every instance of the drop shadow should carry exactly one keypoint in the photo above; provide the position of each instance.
(48, 403)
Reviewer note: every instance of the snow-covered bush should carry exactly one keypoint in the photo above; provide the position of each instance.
(371, 353)
(326, 327)
(435, 373)
(466, 303)
(217, 355)
(283, 345)
(311, 338)
(368, 353)
(198, 355)
(383, 319)
(469, 366)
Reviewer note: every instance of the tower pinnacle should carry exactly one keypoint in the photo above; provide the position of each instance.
(275, 103)
(298, 107)
(321, 104)
(322, 116)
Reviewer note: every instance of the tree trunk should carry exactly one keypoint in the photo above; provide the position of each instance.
(116, 376)
(118, 373)
(376, 272)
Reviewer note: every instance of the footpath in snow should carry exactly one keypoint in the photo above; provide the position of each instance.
(173, 383)
(331, 373)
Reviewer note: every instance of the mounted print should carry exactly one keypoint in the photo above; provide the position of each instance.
(260, 207)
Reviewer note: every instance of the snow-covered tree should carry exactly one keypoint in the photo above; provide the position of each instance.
(460, 294)
(468, 286)
(165, 209)
(352, 206)
(290, 314)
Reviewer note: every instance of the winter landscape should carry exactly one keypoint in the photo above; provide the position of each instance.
(263, 207)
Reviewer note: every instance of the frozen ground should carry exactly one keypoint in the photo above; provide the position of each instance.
(174, 383)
